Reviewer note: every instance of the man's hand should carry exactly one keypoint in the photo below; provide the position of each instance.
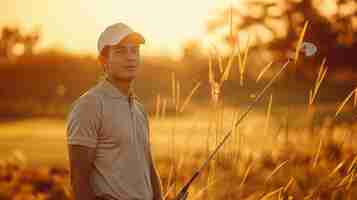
(181, 196)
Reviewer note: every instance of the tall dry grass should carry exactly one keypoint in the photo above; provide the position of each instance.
(321, 165)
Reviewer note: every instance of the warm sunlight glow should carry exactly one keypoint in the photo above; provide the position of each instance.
(327, 8)
(76, 24)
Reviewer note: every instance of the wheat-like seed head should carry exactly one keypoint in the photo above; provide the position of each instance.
(334, 171)
(320, 77)
(345, 102)
(188, 98)
(263, 71)
(318, 152)
(277, 191)
(300, 42)
(158, 103)
(275, 171)
(267, 119)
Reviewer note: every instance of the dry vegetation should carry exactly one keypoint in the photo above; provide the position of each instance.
(316, 163)
(268, 161)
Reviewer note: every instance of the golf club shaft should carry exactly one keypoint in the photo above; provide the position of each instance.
(251, 106)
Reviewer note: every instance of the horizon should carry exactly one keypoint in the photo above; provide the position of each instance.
(50, 17)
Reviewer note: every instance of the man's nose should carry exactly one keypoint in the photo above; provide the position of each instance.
(131, 56)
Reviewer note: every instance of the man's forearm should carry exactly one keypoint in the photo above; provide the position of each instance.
(81, 159)
(81, 186)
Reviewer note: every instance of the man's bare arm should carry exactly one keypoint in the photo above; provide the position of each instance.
(155, 181)
(81, 161)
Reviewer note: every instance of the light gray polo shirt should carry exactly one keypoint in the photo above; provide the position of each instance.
(103, 118)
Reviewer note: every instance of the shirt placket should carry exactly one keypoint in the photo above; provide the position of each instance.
(137, 147)
(132, 123)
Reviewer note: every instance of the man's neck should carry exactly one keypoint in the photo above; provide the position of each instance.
(123, 86)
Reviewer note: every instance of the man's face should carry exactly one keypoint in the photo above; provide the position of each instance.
(123, 61)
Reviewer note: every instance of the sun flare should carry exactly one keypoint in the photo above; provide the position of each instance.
(75, 25)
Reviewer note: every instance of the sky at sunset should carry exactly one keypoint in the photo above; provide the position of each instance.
(76, 24)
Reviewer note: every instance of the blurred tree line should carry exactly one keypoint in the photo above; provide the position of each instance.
(12, 37)
(278, 23)
(46, 83)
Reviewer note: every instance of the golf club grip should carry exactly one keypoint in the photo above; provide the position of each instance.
(182, 195)
(187, 185)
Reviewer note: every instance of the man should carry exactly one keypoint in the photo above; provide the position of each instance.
(108, 130)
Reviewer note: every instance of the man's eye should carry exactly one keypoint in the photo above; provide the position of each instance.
(119, 51)
(122, 51)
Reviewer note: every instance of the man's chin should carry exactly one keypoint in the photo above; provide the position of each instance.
(124, 79)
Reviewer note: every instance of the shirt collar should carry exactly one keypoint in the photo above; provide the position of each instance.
(114, 92)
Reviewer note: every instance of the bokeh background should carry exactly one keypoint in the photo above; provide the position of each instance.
(48, 59)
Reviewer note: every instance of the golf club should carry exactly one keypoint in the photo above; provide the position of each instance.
(308, 49)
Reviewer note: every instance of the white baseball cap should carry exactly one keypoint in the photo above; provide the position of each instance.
(115, 33)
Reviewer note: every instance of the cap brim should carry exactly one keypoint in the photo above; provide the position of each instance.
(128, 38)
(133, 37)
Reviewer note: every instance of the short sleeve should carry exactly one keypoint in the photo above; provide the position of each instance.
(84, 121)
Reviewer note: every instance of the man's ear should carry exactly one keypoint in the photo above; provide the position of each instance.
(103, 61)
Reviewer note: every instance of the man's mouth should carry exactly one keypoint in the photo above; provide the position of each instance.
(131, 67)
